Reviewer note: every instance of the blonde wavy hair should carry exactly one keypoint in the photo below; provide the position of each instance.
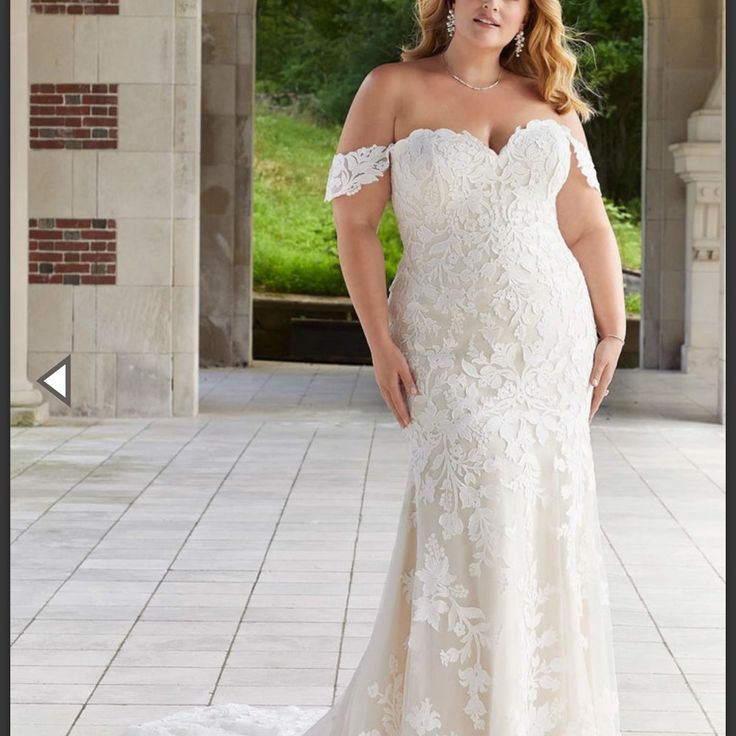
(548, 54)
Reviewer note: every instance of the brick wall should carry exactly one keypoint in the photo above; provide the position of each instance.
(72, 251)
(81, 7)
(74, 116)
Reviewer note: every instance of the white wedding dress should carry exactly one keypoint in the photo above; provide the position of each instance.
(495, 617)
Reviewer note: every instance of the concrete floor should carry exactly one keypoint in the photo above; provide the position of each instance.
(239, 556)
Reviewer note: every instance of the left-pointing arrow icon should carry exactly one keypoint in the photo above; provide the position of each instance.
(58, 380)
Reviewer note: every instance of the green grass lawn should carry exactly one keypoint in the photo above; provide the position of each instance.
(295, 249)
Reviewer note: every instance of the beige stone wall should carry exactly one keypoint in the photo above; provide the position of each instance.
(228, 60)
(683, 56)
(134, 343)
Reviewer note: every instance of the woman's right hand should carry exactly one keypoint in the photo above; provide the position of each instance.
(391, 370)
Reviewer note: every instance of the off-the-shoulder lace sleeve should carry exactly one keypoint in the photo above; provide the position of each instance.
(584, 160)
(350, 171)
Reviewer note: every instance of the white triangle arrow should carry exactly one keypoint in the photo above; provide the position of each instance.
(58, 381)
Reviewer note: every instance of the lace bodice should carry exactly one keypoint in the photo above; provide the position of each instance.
(545, 139)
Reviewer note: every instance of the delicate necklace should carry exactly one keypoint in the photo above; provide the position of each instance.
(462, 81)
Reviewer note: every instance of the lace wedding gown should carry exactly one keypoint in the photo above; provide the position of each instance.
(495, 617)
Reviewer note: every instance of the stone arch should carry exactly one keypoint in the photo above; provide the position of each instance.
(681, 73)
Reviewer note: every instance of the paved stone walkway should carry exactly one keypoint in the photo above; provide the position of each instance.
(239, 556)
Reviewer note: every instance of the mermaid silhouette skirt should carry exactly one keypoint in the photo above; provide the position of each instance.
(495, 615)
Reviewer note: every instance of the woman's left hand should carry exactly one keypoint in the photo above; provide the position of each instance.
(605, 360)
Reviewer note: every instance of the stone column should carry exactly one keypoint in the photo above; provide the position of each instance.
(682, 57)
(698, 162)
(228, 64)
(26, 402)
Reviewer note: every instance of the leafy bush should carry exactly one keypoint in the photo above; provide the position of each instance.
(628, 234)
(295, 245)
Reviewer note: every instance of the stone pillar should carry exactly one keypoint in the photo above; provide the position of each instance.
(698, 162)
(228, 83)
(682, 58)
(114, 186)
(26, 402)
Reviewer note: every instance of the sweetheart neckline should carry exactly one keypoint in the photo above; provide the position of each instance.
(467, 134)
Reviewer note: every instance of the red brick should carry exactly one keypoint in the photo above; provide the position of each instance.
(79, 88)
(98, 99)
(72, 110)
(99, 122)
(46, 143)
(46, 234)
(99, 143)
(46, 99)
(75, 245)
(45, 257)
(97, 257)
(71, 268)
(70, 222)
(46, 122)
(96, 234)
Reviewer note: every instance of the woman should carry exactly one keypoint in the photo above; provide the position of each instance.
(495, 348)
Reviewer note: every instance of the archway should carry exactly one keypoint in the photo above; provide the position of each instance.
(681, 75)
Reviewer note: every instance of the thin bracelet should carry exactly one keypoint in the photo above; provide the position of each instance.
(623, 340)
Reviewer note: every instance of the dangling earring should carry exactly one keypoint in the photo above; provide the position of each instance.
(450, 23)
(519, 42)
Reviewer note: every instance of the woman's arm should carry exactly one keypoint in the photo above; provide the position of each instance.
(370, 121)
(588, 233)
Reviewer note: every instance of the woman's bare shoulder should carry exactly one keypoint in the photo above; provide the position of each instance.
(395, 73)
(389, 84)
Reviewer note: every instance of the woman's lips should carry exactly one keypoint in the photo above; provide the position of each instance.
(484, 25)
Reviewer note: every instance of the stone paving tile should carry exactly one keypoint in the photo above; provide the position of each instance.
(163, 563)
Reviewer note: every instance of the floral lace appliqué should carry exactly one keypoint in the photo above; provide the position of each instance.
(350, 171)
